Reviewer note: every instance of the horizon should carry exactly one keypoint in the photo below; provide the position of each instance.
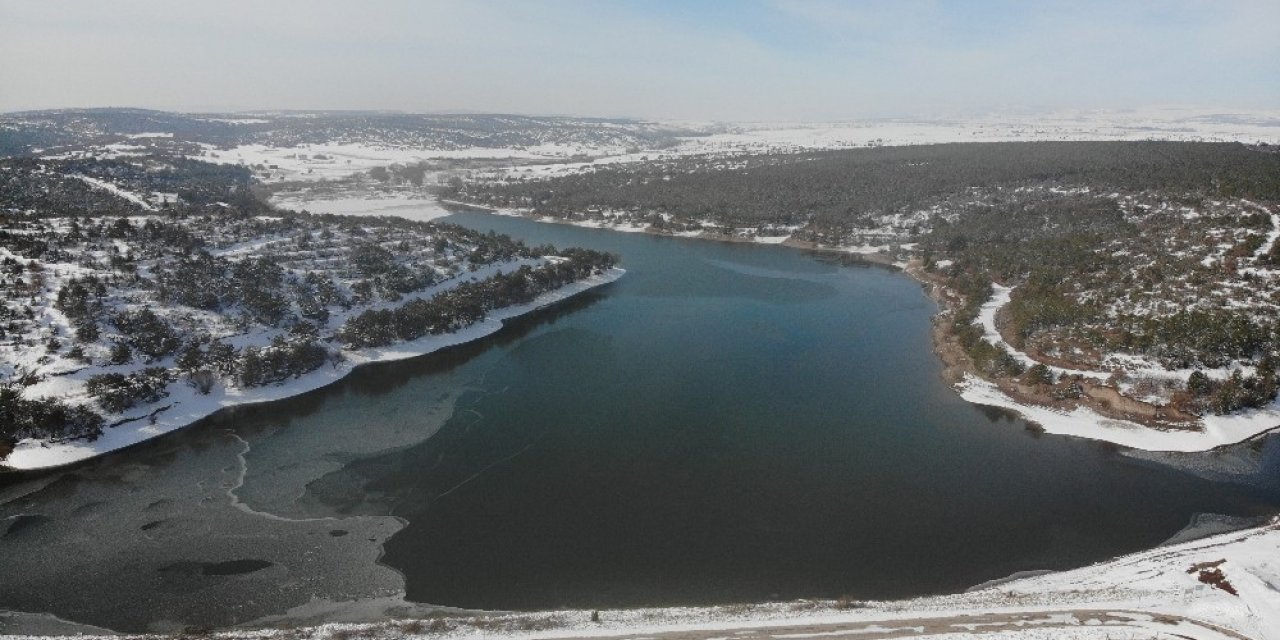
(1188, 110)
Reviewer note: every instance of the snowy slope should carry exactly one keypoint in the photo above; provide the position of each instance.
(185, 405)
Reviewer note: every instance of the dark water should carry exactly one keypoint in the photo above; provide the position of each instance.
(737, 422)
(726, 423)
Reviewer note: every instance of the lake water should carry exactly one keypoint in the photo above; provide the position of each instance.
(725, 423)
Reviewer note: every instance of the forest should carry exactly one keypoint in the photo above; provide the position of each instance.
(832, 192)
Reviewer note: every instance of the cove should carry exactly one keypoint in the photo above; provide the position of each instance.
(726, 423)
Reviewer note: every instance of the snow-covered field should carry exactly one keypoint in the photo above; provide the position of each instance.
(1148, 124)
(313, 162)
(404, 205)
(187, 406)
(772, 137)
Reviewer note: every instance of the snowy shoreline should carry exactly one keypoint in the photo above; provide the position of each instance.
(868, 253)
(185, 406)
(1083, 422)
(1214, 588)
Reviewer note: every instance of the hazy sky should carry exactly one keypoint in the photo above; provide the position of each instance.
(718, 59)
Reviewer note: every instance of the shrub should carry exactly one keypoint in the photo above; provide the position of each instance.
(148, 333)
(202, 380)
(44, 418)
(116, 392)
(121, 353)
(283, 359)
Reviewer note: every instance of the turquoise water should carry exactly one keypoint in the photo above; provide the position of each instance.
(725, 423)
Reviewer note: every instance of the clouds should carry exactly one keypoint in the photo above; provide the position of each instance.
(786, 59)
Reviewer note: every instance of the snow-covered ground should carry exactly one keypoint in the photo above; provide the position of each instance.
(112, 188)
(1085, 423)
(1161, 124)
(404, 205)
(711, 233)
(1000, 296)
(186, 405)
(313, 162)
(1272, 236)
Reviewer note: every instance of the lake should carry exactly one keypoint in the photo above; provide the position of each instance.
(726, 423)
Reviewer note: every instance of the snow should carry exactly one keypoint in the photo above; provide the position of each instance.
(1083, 422)
(402, 205)
(109, 187)
(1163, 124)
(1250, 562)
(1271, 238)
(609, 225)
(315, 162)
(1149, 594)
(343, 159)
(1130, 364)
(187, 406)
(1000, 296)
(237, 120)
(865, 249)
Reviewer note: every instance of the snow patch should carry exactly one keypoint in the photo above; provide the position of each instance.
(109, 187)
(401, 205)
(1000, 296)
(1083, 422)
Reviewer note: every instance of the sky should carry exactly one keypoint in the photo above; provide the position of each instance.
(665, 59)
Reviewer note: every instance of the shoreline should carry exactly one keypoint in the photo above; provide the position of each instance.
(185, 407)
(1094, 416)
(864, 257)
(1223, 594)
(1091, 418)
